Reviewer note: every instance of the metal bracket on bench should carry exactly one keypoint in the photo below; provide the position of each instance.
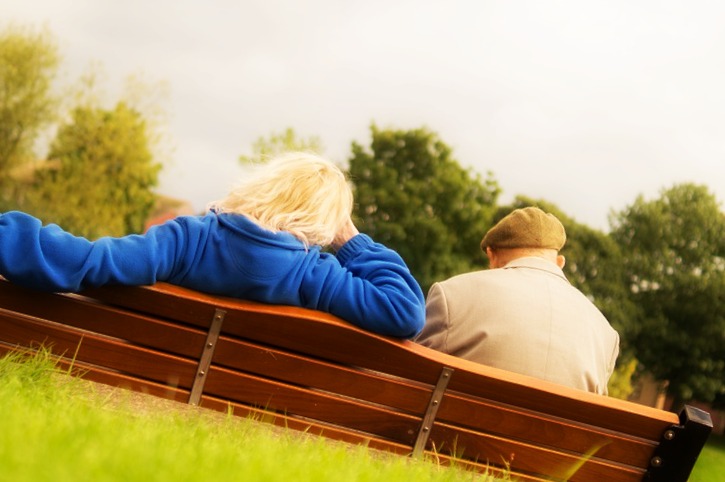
(679, 447)
(212, 338)
(430, 413)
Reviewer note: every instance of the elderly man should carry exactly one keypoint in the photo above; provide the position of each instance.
(523, 315)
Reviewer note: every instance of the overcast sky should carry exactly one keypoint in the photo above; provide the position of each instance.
(583, 103)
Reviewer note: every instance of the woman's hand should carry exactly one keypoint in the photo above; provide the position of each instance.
(345, 234)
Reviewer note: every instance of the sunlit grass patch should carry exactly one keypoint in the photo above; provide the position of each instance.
(710, 466)
(58, 428)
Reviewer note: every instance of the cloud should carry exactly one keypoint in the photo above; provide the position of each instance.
(584, 104)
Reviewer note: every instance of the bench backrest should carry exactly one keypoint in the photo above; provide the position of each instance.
(311, 371)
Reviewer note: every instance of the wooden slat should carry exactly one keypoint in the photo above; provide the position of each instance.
(312, 404)
(125, 381)
(559, 401)
(349, 436)
(163, 300)
(104, 376)
(497, 419)
(528, 458)
(90, 348)
(90, 315)
(304, 370)
(311, 427)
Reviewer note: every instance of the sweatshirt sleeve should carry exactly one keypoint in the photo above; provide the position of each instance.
(51, 259)
(375, 290)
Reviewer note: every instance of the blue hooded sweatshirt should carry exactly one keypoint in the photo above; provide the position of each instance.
(365, 283)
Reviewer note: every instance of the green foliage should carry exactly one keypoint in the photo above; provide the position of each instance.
(264, 149)
(414, 197)
(28, 65)
(100, 176)
(675, 258)
(620, 384)
(98, 179)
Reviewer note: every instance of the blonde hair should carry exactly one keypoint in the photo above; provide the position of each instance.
(301, 193)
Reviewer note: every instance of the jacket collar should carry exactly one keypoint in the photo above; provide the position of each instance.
(532, 262)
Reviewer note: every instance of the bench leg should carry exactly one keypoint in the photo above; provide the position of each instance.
(679, 447)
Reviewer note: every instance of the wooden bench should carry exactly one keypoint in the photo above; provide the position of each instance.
(311, 371)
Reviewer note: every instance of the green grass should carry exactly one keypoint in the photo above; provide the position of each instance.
(55, 429)
(710, 466)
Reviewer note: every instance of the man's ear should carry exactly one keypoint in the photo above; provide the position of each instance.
(491, 257)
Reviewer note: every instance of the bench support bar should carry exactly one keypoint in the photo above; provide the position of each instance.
(430, 413)
(212, 338)
(680, 446)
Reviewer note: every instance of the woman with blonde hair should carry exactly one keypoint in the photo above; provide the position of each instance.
(303, 194)
(262, 242)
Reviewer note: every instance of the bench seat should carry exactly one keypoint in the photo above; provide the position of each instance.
(311, 371)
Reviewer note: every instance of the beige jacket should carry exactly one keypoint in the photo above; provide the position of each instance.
(527, 318)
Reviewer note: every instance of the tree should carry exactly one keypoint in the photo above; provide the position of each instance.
(277, 143)
(413, 196)
(28, 65)
(100, 177)
(675, 260)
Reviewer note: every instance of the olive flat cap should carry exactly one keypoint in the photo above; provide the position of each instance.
(526, 228)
